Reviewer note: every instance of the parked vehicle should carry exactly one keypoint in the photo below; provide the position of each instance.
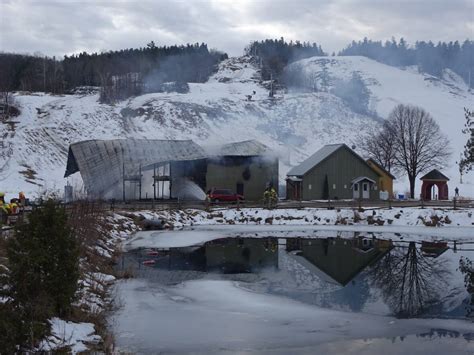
(224, 195)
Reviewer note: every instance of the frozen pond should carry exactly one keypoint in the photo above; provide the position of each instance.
(332, 292)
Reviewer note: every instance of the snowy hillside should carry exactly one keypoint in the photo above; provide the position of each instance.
(34, 145)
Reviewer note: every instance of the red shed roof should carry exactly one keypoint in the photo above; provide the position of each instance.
(435, 174)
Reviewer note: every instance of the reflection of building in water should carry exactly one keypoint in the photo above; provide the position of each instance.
(337, 260)
(229, 255)
(241, 254)
(433, 249)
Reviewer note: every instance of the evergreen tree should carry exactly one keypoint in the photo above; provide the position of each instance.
(466, 162)
(275, 54)
(326, 188)
(44, 269)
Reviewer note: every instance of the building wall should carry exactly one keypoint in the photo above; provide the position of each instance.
(385, 182)
(341, 168)
(227, 172)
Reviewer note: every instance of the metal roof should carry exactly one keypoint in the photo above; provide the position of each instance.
(315, 159)
(247, 148)
(102, 162)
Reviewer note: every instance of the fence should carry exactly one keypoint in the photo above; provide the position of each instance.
(330, 204)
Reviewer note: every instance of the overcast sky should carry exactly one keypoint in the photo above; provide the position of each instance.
(71, 26)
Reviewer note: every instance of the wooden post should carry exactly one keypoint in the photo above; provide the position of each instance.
(454, 203)
(154, 182)
(140, 183)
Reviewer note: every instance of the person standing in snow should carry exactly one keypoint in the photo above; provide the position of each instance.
(270, 196)
(456, 192)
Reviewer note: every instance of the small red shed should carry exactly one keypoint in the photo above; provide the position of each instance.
(434, 178)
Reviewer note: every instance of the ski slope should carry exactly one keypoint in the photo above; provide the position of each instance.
(34, 145)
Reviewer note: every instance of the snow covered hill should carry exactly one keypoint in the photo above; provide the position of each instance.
(34, 145)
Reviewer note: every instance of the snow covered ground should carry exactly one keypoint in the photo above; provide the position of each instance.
(200, 226)
(313, 216)
(33, 149)
(76, 336)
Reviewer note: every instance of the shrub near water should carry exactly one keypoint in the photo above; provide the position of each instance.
(44, 270)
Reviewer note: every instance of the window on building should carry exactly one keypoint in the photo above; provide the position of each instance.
(356, 187)
(333, 186)
(310, 187)
(365, 186)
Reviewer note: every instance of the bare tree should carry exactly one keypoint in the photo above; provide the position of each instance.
(418, 141)
(378, 144)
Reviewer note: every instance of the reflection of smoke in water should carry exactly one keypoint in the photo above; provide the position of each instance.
(187, 189)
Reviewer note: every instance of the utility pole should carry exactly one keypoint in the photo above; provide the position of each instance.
(140, 184)
(44, 74)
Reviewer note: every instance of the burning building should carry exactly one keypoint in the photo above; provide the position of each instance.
(134, 169)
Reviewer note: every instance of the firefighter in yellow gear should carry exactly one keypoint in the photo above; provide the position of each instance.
(270, 197)
(2, 197)
(13, 207)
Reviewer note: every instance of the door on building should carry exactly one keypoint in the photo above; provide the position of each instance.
(365, 190)
(355, 190)
(239, 189)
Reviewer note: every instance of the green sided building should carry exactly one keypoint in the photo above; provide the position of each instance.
(333, 172)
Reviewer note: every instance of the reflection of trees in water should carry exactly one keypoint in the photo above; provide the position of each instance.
(467, 268)
(444, 333)
(409, 281)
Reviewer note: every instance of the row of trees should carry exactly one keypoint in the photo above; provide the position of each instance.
(195, 62)
(275, 54)
(429, 57)
(410, 140)
(186, 63)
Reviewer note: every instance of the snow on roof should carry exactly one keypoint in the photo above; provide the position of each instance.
(314, 160)
(245, 149)
(102, 162)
